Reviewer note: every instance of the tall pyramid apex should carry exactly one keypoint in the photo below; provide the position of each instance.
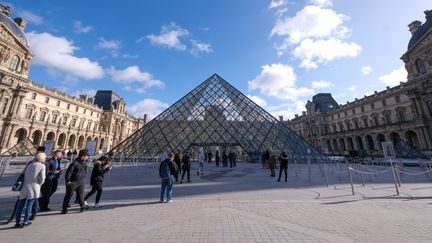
(215, 113)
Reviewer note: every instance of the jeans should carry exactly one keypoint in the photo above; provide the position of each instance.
(283, 168)
(186, 170)
(201, 168)
(47, 190)
(166, 185)
(75, 186)
(96, 186)
(27, 212)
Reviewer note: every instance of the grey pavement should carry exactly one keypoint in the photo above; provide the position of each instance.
(242, 204)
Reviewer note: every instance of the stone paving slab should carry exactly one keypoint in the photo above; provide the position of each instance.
(242, 204)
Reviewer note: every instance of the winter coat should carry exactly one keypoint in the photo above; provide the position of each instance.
(76, 172)
(34, 177)
(98, 172)
(201, 158)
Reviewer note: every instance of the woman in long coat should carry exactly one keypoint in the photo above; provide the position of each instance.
(34, 176)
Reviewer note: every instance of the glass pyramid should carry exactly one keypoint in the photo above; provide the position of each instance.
(214, 114)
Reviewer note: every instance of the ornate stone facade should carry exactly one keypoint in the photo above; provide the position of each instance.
(402, 112)
(30, 110)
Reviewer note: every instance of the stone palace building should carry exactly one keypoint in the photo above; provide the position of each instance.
(399, 113)
(30, 110)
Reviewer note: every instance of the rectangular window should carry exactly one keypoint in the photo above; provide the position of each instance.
(388, 118)
(42, 116)
(77, 109)
(29, 113)
(353, 111)
(428, 103)
(68, 106)
(33, 97)
(73, 122)
(4, 106)
(365, 122)
(88, 126)
(58, 102)
(47, 100)
(401, 116)
(356, 124)
(346, 114)
(373, 105)
(54, 118)
(91, 113)
(384, 102)
(397, 98)
(376, 121)
(64, 121)
(85, 110)
(362, 108)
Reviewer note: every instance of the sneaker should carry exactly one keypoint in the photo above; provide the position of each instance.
(169, 201)
(98, 205)
(85, 203)
(84, 208)
(64, 212)
(27, 223)
(18, 225)
(32, 217)
(161, 201)
(181, 182)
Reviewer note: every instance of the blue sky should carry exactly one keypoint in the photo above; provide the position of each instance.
(279, 52)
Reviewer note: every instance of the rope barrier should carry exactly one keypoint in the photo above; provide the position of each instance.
(413, 173)
(368, 173)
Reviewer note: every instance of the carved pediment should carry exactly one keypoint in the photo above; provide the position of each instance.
(9, 38)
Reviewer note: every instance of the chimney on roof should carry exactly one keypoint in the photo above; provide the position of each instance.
(428, 14)
(413, 26)
(304, 113)
(375, 92)
(281, 118)
(387, 87)
(145, 118)
(21, 23)
(296, 115)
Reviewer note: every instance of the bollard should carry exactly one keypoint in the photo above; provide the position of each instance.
(398, 175)
(309, 170)
(350, 179)
(362, 179)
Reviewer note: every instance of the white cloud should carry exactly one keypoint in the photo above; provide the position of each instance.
(352, 88)
(169, 37)
(312, 21)
(57, 52)
(79, 27)
(322, 3)
(89, 92)
(321, 84)
(312, 52)
(30, 17)
(108, 44)
(366, 70)
(315, 35)
(277, 3)
(151, 107)
(258, 100)
(288, 110)
(278, 80)
(395, 77)
(134, 79)
(200, 47)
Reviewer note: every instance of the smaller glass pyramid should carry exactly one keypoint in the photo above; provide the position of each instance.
(214, 114)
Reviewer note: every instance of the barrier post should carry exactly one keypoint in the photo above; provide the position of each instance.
(394, 177)
(350, 179)
(325, 172)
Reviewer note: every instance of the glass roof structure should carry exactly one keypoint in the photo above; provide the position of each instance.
(214, 114)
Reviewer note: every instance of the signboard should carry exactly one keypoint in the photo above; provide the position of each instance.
(49, 147)
(91, 147)
(388, 150)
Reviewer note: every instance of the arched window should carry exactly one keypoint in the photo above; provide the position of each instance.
(420, 66)
(14, 63)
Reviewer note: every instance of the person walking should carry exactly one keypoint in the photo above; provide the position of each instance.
(217, 158)
(224, 159)
(177, 159)
(201, 159)
(272, 165)
(186, 167)
(209, 156)
(97, 177)
(283, 165)
(53, 168)
(167, 169)
(75, 175)
(234, 158)
(34, 176)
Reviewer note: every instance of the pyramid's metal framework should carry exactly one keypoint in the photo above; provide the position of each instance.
(214, 113)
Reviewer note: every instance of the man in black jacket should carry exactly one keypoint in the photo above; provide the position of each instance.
(48, 188)
(74, 177)
(97, 178)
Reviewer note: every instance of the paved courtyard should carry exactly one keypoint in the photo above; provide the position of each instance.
(242, 204)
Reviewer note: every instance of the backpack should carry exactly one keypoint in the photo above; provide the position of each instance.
(164, 170)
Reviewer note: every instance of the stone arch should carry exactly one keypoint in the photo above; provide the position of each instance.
(412, 139)
(350, 144)
(20, 135)
(369, 142)
(80, 142)
(37, 137)
(380, 138)
(71, 142)
(359, 142)
(342, 145)
(50, 136)
(335, 145)
(61, 140)
(395, 138)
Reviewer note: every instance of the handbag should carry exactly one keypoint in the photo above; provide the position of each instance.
(19, 181)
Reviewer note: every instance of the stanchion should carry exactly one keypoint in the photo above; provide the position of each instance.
(350, 179)
(309, 169)
(398, 175)
(394, 177)
(325, 172)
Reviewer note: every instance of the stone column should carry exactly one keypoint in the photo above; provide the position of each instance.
(10, 135)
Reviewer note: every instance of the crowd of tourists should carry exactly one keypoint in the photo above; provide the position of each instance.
(39, 181)
(269, 161)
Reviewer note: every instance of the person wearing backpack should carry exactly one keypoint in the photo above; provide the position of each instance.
(167, 169)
